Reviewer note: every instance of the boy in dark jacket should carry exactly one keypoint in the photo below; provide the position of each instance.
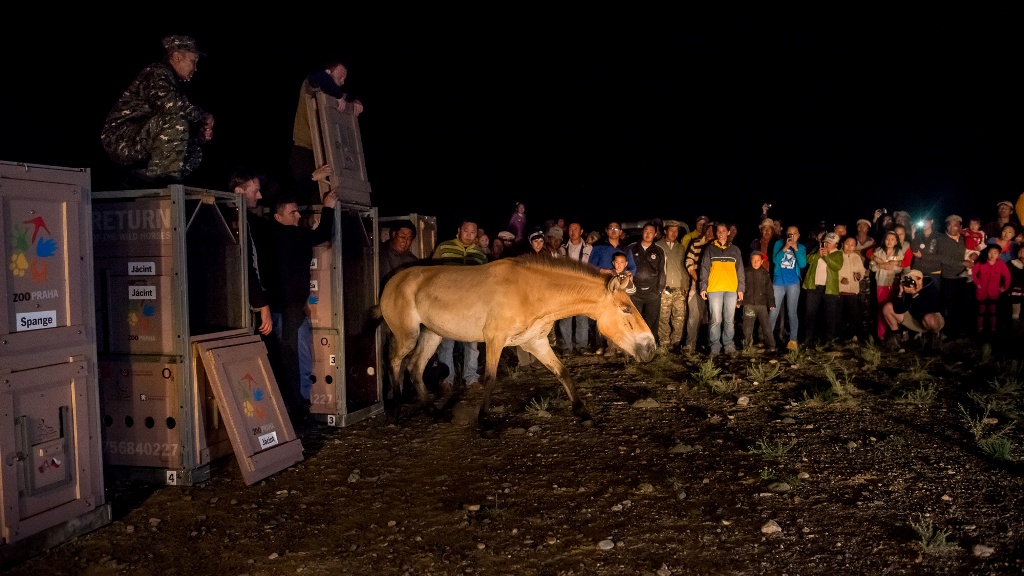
(758, 300)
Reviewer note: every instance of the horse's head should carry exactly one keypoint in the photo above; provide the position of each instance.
(620, 321)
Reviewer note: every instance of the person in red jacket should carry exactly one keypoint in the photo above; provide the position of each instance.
(991, 279)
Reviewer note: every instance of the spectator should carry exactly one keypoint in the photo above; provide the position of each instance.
(925, 244)
(154, 129)
(864, 239)
(917, 307)
(851, 312)
(950, 252)
(790, 258)
(484, 241)
(887, 263)
(672, 317)
(553, 241)
(758, 300)
(576, 339)
(1016, 293)
(602, 251)
(991, 280)
(460, 251)
(974, 239)
(721, 285)
(508, 245)
(517, 223)
(764, 242)
(1004, 214)
(821, 285)
(696, 306)
(620, 263)
(649, 277)
(698, 231)
(398, 249)
(329, 80)
(1007, 246)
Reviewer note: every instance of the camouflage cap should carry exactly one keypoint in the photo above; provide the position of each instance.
(176, 43)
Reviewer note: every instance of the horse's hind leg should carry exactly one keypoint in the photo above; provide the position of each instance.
(425, 347)
(543, 352)
(490, 378)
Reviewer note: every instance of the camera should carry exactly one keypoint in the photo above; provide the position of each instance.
(908, 282)
(883, 210)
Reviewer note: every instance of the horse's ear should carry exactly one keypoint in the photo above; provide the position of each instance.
(615, 283)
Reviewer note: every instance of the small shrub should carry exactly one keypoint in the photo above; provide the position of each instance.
(768, 473)
(933, 540)
(539, 407)
(922, 396)
(919, 372)
(997, 447)
(758, 372)
(871, 356)
(770, 450)
(707, 374)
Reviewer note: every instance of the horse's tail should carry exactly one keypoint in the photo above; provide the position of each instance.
(374, 320)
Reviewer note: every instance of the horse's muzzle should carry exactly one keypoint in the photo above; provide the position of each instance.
(645, 350)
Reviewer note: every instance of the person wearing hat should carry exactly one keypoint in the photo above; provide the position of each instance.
(951, 253)
(154, 129)
(672, 317)
(821, 290)
(330, 80)
(917, 306)
(1004, 215)
(764, 241)
(553, 240)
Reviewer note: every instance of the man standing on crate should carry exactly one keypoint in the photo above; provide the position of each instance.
(330, 80)
(153, 128)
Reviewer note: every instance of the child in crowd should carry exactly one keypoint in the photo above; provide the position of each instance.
(619, 263)
(974, 241)
(991, 279)
(758, 300)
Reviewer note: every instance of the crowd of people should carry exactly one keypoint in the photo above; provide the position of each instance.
(894, 280)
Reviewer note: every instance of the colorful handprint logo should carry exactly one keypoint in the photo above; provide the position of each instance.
(252, 397)
(140, 315)
(26, 260)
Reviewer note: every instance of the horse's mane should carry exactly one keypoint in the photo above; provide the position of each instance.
(562, 264)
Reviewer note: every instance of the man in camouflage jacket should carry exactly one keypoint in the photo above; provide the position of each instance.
(153, 127)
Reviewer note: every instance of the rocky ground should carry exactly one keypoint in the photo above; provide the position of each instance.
(850, 461)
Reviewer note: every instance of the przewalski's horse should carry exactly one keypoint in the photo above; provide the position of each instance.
(508, 302)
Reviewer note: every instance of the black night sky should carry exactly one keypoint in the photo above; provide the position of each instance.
(588, 115)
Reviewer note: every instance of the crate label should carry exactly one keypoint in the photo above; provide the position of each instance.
(142, 292)
(314, 286)
(268, 440)
(36, 320)
(142, 268)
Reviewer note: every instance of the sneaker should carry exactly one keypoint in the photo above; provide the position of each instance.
(585, 352)
(599, 352)
(792, 345)
(731, 351)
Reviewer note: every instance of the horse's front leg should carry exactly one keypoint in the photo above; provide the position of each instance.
(542, 350)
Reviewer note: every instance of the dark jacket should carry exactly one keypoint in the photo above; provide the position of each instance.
(926, 301)
(759, 290)
(650, 267)
(292, 248)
